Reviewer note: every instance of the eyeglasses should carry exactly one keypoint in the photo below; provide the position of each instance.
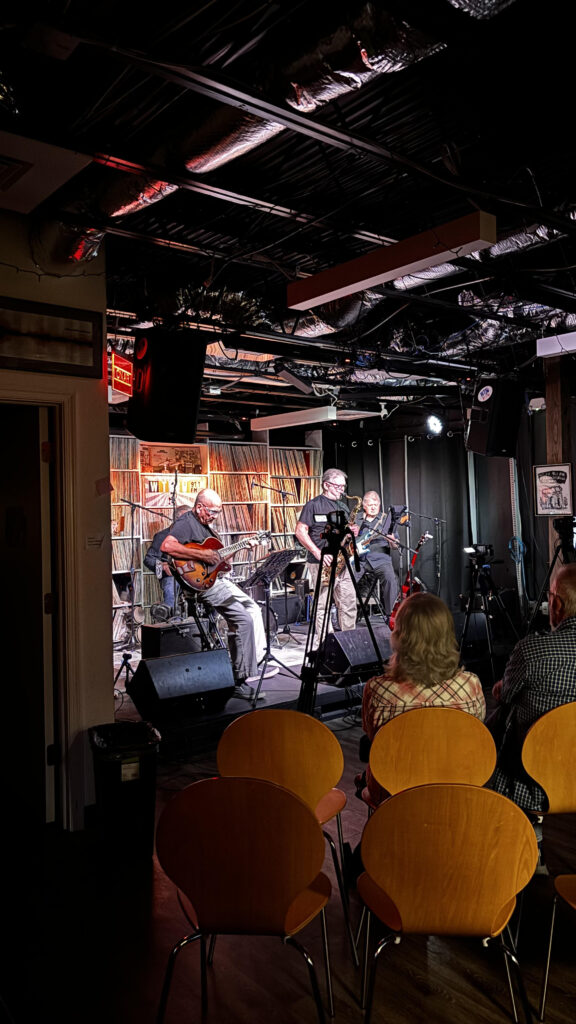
(212, 511)
(339, 487)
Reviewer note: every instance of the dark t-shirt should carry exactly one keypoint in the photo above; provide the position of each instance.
(189, 530)
(319, 506)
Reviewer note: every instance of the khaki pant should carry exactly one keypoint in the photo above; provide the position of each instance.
(344, 600)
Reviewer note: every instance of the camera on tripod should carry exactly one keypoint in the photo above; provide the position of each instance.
(335, 529)
(479, 553)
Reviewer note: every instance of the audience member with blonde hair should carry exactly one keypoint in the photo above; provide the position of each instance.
(424, 671)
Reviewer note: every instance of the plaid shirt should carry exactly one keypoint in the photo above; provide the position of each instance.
(385, 698)
(540, 675)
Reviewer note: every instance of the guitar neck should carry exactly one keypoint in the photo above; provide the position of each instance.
(224, 552)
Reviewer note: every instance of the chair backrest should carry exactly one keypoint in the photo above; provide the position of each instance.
(451, 858)
(432, 745)
(548, 754)
(241, 850)
(287, 747)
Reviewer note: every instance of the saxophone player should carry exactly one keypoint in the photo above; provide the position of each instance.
(309, 529)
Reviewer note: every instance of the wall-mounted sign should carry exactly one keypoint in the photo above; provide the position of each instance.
(122, 374)
(553, 490)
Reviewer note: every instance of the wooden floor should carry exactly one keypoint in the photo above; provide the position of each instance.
(95, 944)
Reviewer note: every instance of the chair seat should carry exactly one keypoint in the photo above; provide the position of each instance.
(378, 902)
(308, 904)
(331, 804)
(565, 886)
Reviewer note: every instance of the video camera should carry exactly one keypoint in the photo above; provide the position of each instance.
(335, 529)
(480, 553)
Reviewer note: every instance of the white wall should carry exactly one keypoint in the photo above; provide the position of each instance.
(28, 272)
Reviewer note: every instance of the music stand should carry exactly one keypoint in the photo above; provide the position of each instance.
(274, 564)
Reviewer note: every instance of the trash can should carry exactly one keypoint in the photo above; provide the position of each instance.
(125, 755)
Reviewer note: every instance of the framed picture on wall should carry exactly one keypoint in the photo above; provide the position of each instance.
(553, 490)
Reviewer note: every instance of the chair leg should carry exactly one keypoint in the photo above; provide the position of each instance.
(341, 849)
(343, 897)
(211, 949)
(203, 977)
(169, 972)
(547, 966)
(327, 964)
(360, 926)
(510, 954)
(509, 976)
(364, 983)
(391, 938)
(291, 941)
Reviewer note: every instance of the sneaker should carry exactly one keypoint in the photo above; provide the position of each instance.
(245, 692)
(269, 671)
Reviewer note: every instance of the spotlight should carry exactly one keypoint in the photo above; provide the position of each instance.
(435, 425)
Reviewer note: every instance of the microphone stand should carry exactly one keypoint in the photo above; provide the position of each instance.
(438, 523)
(285, 631)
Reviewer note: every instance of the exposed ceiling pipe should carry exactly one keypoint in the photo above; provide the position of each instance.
(374, 42)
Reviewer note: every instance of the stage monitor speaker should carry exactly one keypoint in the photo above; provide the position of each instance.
(164, 638)
(168, 369)
(495, 417)
(352, 650)
(169, 690)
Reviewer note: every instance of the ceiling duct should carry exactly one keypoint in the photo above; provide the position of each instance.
(374, 42)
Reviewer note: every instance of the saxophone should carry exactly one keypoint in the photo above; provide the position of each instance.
(341, 565)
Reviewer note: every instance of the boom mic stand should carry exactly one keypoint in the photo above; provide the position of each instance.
(285, 631)
(132, 641)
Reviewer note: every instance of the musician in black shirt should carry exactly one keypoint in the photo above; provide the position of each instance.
(247, 638)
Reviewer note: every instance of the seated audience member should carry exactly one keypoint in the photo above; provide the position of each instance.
(424, 671)
(540, 675)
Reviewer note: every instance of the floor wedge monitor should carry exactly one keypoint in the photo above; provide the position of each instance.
(352, 651)
(170, 690)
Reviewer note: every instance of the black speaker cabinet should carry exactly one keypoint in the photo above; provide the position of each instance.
(352, 650)
(495, 417)
(161, 409)
(170, 690)
(164, 638)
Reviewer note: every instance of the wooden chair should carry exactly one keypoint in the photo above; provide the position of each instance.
(548, 757)
(445, 860)
(238, 876)
(430, 745)
(298, 752)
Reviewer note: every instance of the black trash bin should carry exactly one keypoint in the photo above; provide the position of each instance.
(125, 755)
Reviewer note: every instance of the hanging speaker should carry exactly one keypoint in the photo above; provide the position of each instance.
(169, 690)
(495, 417)
(168, 371)
(352, 650)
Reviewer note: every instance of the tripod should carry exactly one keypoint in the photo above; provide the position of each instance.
(268, 571)
(483, 583)
(125, 666)
(311, 665)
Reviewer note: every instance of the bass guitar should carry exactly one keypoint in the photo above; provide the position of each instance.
(199, 576)
(411, 585)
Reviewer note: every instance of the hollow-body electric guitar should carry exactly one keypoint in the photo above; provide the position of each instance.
(411, 585)
(199, 576)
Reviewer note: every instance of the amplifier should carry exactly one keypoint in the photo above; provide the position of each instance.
(164, 638)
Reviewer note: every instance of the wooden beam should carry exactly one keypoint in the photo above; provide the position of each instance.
(448, 241)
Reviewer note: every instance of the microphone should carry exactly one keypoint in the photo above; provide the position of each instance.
(254, 483)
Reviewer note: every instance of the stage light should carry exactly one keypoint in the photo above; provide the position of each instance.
(435, 425)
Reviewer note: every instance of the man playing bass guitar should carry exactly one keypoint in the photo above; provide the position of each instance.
(374, 543)
(203, 567)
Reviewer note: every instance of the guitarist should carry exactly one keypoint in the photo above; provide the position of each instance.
(247, 638)
(376, 564)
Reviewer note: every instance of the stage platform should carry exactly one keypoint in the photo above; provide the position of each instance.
(351, 660)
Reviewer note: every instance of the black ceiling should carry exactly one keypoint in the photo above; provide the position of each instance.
(284, 139)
